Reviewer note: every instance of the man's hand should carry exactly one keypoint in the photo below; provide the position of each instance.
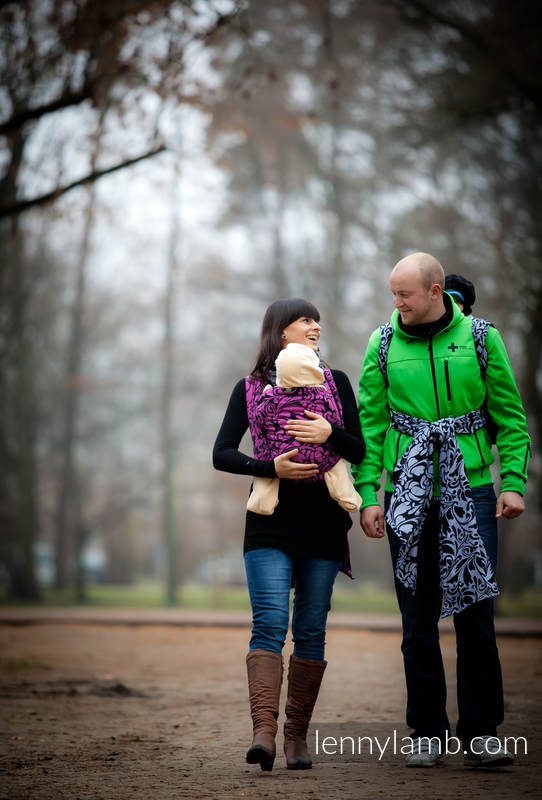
(372, 522)
(510, 505)
(293, 470)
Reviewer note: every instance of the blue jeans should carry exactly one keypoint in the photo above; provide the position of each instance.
(479, 680)
(269, 576)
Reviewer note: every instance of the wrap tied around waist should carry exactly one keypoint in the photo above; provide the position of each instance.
(466, 575)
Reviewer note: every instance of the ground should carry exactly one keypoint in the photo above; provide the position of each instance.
(153, 712)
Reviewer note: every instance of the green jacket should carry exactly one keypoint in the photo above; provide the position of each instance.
(438, 377)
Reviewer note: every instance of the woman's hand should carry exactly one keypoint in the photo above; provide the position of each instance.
(293, 470)
(315, 430)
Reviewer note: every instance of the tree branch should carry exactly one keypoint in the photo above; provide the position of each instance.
(26, 115)
(471, 33)
(73, 98)
(23, 205)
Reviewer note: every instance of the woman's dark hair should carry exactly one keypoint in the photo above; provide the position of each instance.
(278, 316)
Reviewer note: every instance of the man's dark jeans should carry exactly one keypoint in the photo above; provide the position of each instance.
(479, 679)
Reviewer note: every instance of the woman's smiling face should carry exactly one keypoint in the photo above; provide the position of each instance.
(304, 330)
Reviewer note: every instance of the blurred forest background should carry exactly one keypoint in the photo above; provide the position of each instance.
(168, 169)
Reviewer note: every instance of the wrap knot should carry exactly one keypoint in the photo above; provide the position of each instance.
(466, 576)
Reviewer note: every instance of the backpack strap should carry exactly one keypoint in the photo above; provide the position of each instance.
(480, 328)
(386, 332)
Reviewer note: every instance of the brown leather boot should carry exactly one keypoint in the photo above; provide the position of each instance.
(304, 679)
(264, 669)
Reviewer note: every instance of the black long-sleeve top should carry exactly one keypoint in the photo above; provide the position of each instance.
(307, 521)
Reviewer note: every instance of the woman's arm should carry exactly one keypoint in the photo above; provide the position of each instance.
(348, 442)
(226, 454)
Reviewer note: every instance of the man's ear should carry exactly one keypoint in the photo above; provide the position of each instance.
(436, 291)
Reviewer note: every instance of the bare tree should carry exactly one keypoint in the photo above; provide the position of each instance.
(168, 438)
(68, 511)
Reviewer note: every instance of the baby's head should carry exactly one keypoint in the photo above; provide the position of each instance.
(298, 365)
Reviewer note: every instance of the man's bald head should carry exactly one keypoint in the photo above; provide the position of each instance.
(417, 283)
(429, 268)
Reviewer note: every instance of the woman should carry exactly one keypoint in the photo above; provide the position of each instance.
(303, 542)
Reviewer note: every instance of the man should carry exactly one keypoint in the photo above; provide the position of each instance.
(422, 420)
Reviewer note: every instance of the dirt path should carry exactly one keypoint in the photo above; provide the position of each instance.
(152, 712)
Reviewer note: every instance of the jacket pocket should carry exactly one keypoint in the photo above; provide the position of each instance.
(397, 449)
(476, 449)
(395, 445)
(479, 448)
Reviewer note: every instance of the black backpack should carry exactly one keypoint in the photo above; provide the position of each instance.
(480, 328)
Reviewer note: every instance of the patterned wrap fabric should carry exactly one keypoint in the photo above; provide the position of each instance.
(269, 411)
(466, 576)
(263, 445)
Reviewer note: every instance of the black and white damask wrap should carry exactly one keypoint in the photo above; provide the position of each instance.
(466, 575)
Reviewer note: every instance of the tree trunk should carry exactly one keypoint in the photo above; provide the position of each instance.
(533, 350)
(66, 512)
(280, 287)
(18, 418)
(336, 282)
(68, 544)
(169, 527)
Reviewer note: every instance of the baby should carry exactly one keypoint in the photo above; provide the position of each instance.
(300, 386)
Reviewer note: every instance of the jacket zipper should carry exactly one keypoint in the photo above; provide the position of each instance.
(447, 376)
(434, 374)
